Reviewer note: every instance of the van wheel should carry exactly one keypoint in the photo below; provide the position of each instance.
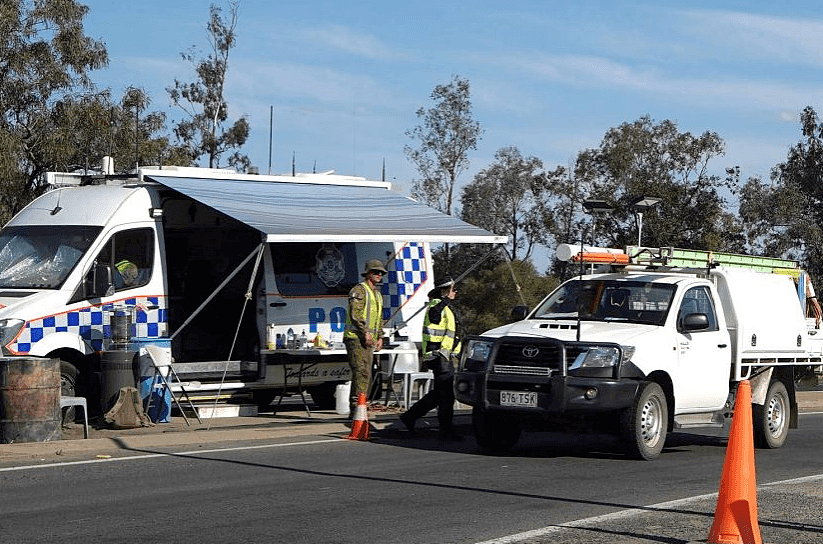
(323, 395)
(771, 420)
(68, 388)
(644, 425)
(497, 433)
(263, 399)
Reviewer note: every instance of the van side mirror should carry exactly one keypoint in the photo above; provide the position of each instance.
(520, 312)
(99, 282)
(696, 322)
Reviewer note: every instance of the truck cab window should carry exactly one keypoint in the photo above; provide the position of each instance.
(698, 300)
(133, 257)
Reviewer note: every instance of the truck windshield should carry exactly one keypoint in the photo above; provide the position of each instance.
(41, 257)
(609, 300)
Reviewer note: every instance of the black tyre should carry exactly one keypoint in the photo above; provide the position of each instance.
(323, 395)
(263, 399)
(771, 420)
(644, 425)
(68, 388)
(494, 432)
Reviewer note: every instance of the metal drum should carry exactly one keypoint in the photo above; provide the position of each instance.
(29, 400)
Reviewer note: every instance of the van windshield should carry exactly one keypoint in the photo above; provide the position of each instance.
(609, 300)
(42, 257)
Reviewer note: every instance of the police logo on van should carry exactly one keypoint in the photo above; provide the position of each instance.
(330, 269)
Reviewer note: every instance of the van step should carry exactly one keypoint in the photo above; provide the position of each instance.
(209, 411)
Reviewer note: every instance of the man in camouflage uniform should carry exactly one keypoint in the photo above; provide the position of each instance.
(364, 327)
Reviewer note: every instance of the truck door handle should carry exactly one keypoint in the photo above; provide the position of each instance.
(722, 345)
(278, 304)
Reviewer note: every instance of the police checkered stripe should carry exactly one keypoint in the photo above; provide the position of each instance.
(92, 323)
(407, 272)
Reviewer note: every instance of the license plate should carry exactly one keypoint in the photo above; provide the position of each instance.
(518, 398)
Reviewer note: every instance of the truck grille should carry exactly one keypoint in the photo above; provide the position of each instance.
(523, 370)
(534, 357)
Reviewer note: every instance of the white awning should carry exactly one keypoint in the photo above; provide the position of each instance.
(295, 211)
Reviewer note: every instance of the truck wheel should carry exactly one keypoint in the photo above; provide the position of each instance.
(644, 424)
(494, 432)
(771, 420)
(68, 388)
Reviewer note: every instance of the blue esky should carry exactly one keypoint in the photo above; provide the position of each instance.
(345, 78)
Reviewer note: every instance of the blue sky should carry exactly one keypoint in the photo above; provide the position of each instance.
(345, 78)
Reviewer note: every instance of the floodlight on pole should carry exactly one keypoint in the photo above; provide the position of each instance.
(595, 207)
(640, 205)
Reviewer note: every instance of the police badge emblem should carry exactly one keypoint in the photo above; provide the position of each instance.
(330, 268)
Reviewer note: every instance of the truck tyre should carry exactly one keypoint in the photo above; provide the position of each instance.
(771, 420)
(644, 424)
(496, 433)
(68, 388)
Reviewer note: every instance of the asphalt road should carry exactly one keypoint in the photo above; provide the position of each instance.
(553, 487)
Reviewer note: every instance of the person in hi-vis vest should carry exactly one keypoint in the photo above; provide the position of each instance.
(441, 347)
(364, 327)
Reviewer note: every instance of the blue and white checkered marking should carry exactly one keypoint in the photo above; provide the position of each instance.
(92, 323)
(407, 273)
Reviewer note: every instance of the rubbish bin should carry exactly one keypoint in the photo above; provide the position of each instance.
(29, 400)
(116, 371)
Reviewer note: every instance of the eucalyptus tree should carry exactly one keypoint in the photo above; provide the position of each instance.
(446, 134)
(507, 198)
(784, 218)
(656, 159)
(205, 129)
(45, 57)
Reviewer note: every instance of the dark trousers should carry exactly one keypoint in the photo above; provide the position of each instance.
(441, 396)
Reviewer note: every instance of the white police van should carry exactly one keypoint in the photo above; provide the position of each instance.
(221, 266)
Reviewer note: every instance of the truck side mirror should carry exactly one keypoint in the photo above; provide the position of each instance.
(696, 322)
(520, 312)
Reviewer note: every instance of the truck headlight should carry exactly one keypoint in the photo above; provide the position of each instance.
(476, 354)
(602, 357)
(9, 329)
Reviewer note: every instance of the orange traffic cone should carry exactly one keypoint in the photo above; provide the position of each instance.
(360, 420)
(735, 519)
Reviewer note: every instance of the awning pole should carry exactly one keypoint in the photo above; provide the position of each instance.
(214, 294)
(514, 277)
(460, 277)
(246, 300)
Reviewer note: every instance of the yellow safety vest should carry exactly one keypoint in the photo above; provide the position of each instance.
(371, 315)
(444, 332)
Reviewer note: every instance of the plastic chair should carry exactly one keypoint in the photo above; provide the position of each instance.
(81, 403)
(411, 380)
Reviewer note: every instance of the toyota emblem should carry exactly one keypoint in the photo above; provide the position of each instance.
(531, 352)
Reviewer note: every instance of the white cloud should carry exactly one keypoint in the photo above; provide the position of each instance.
(348, 40)
(784, 39)
(592, 72)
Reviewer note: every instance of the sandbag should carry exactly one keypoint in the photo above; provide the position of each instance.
(127, 412)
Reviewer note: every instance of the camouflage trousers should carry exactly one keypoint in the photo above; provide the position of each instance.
(360, 362)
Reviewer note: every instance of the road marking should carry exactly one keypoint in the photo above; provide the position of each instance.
(614, 516)
(172, 454)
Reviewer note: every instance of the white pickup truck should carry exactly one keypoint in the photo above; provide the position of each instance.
(656, 340)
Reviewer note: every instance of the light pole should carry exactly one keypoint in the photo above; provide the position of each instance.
(640, 205)
(594, 208)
